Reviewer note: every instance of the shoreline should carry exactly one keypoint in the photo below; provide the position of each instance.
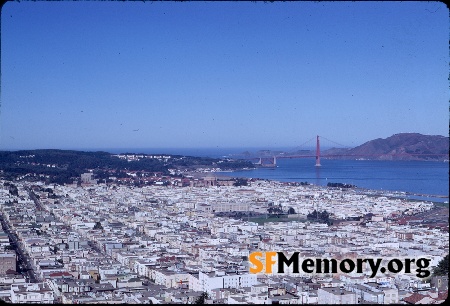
(380, 192)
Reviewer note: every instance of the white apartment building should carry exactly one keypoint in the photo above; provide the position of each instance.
(165, 277)
(219, 279)
(31, 293)
(374, 293)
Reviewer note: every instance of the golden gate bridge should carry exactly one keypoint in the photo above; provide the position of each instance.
(271, 162)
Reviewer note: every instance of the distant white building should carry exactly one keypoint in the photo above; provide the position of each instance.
(336, 296)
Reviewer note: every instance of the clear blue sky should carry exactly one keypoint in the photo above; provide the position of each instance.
(198, 74)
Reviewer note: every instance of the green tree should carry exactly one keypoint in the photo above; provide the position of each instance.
(98, 225)
(201, 299)
(312, 215)
(324, 215)
(55, 249)
(442, 267)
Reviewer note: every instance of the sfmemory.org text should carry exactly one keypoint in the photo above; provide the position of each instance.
(264, 262)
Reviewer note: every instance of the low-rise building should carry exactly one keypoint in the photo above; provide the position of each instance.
(7, 262)
(336, 296)
(31, 293)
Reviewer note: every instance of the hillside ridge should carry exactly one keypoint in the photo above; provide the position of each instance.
(401, 146)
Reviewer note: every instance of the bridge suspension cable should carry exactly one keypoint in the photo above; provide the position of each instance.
(300, 146)
(341, 145)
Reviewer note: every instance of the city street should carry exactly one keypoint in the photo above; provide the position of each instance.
(23, 260)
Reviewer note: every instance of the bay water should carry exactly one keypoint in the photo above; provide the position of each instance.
(415, 177)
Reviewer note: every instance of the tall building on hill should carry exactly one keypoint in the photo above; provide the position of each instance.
(88, 178)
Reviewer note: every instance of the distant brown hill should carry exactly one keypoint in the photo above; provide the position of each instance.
(403, 146)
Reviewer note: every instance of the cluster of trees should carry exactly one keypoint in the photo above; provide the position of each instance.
(240, 182)
(321, 216)
(442, 267)
(279, 209)
(12, 188)
(70, 164)
(190, 161)
(98, 225)
(201, 299)
(235, 164)
(275, 209)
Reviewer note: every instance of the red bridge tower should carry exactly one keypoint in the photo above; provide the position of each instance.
(318, 152)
